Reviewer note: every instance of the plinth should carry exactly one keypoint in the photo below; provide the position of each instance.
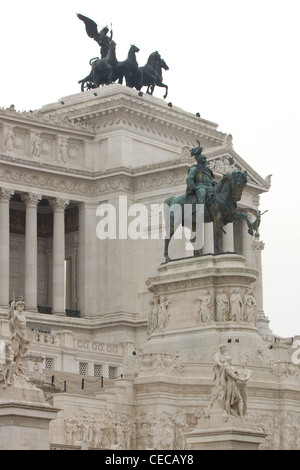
(200, 302)
(24, 417)
(216, 434)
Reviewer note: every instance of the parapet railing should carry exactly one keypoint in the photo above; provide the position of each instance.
(83, 345)
(84, 381)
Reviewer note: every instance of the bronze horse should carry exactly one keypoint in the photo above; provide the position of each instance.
(150, 75)
(221, 209)
(103, 70)
(127, 68)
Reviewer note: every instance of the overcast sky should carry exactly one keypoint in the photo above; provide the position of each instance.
(234, 61)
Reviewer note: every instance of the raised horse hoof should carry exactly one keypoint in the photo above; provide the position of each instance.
(250, 231)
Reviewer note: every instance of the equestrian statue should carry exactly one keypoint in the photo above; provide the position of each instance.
(219, 200)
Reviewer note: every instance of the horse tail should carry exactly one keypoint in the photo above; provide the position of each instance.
(94, 58)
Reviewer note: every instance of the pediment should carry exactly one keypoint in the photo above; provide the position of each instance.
(224, 159)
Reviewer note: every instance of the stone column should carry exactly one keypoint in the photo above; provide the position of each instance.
(31, 201)
(258, 246)
(247, 240)
(228, 238)
(58, 274)
(208, 246)
(5, 195)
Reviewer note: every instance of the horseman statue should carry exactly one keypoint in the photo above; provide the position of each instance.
(217, 199)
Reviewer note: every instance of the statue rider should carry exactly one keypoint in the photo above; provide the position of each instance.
(200, 179)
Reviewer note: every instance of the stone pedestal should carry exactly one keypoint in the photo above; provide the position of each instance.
(215, 434)
(187, 313)
(24, 418)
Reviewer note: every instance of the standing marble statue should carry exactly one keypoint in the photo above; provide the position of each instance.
(7, 364)
(222, 304)
(204, 314)
(163, 312)
(19, 332)
(236, 306)
(249, 307)
(153, 320)
(230, 386)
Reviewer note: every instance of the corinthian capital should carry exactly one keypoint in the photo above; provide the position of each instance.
(31, 200)
(58, 204)
(258, 245)
(5, 194)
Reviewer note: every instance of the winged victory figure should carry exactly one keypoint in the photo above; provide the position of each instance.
(100, 37)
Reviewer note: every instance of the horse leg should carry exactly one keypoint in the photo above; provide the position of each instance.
(193, 239)
(217, 223)
(166, 87)
(169, 235)
(217, 238)
(242, 215)
(166, 251)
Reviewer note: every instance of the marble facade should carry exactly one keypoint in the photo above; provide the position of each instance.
(141, 334)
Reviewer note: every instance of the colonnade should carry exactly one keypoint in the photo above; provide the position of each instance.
(87, 276)
(30, 282)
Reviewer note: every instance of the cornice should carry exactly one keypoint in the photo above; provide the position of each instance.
(41, 121)
(118, 106)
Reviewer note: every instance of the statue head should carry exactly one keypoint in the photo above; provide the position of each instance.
(196, 152)
(20, 304)
(222, 348)
(200, 158)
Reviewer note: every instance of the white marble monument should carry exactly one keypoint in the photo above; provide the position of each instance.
(122, 345)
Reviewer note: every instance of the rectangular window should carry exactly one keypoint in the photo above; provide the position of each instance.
(49, 363)
(97, 370)
(83, 368)
(112, 372)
